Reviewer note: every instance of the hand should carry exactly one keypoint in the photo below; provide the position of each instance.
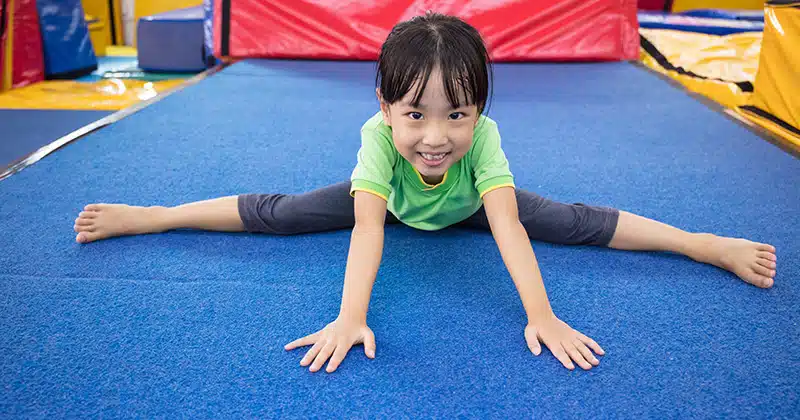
(565, 343)
(336, 338)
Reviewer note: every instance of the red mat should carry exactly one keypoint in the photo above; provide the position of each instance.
(533, 30)
(19, 34)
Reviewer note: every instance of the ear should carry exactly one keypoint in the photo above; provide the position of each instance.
(384, 107)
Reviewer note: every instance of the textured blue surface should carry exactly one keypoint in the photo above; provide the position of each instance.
(193, 324)
(24, 131)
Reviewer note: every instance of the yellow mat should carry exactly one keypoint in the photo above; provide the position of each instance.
(721, 68)
(775, 103)
(105, 95)
(755, 75)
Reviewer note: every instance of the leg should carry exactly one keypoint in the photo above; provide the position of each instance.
(578, 224)
(550, 221)
(102, 221)
(323, 209)
(753, 262)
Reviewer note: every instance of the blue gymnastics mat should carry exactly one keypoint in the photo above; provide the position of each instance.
(23, 131)
(193, 324)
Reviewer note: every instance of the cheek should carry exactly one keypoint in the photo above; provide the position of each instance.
(404, 143)
(463, 138)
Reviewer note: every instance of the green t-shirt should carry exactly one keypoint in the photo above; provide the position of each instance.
(382, 171)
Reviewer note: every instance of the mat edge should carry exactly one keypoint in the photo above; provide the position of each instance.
(47, 149)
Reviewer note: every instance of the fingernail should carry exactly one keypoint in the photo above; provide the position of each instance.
(371, 353)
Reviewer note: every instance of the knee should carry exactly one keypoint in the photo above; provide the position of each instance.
(266, 213)
(567, 224)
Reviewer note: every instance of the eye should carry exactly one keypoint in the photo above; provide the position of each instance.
(415, 115)
(456, 115)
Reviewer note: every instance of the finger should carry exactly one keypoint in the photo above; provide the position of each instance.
(587, 354)
(592, 344)
(87, 214)
(576, 355)
(532, 338)
(766, 263)
(312, 353)
(561, 355)
(300, 342)
(338, 355)
(369, 344)
(767, 255)
(323, 356)
(764, 271)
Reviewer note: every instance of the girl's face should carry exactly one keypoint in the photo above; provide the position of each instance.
(433, 135)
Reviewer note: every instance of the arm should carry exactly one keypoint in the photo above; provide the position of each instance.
(566, 344)
(364, 258)
(515, 248)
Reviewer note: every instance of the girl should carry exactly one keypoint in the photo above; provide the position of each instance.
(430, 159)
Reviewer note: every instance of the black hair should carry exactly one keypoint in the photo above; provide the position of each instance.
(416, 46)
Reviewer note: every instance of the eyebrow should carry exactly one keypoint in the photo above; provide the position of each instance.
(422, 106)
(410, 105)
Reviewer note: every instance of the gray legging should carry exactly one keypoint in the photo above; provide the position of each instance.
(331, 208)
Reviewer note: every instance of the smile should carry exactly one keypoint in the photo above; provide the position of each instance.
(433, 160)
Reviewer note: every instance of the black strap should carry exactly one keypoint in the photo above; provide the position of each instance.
(226, 28)
(796, 3)
(663, 62)
(766, 115)
(112, 22)
(3, 18)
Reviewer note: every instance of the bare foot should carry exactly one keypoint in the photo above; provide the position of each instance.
(753, 262)
(102, 221)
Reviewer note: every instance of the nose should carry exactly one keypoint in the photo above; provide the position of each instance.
(435, 137)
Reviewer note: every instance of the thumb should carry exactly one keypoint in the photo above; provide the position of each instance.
(369, 343)
(532, 338)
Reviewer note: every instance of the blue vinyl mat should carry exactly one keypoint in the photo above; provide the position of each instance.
(193, 324)
(23, 131)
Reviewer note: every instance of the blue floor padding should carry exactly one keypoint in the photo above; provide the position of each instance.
(24, 131)
(192, 324)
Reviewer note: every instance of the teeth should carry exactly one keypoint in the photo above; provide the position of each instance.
(433, 157)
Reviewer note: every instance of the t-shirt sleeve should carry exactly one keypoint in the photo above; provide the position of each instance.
(375, 166)
(489, 162)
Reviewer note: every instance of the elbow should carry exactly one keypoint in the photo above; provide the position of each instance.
(506, 224)
(367, 227)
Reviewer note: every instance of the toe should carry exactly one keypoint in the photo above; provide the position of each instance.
(766, 247)
(86, 237)
(93, 207)
(759, 280)
(766, 263)
(764, 271)
(84, 228)
(766, 255)
(84, 221)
